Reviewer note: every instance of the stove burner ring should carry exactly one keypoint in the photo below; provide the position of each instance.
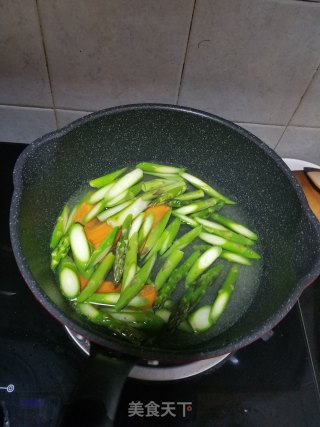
(152, 371)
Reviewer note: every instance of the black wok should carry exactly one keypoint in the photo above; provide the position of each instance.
(220, 152)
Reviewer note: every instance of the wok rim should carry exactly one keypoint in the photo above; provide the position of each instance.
(117, 345)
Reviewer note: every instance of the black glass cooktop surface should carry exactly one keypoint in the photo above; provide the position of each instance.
(273, 382)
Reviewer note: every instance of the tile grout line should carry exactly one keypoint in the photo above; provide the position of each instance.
(45, 108)
(47, 64)
(186, 51)
(298, 105)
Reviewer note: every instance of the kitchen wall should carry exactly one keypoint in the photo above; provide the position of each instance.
(255, 62)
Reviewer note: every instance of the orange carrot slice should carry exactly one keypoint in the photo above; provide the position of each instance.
(148, 292)
(159, 212)
(82, 211)
(108, 286)
(96, 231)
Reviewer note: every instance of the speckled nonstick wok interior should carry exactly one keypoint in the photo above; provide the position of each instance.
(220, 152)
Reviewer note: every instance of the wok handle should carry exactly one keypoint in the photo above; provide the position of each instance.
(95, 399)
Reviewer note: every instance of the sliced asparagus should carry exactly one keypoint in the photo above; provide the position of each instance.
(95, 211)
(111, 298)
(79, 245)
(99, 194)
(130, 264)
(121, 250)
(169, 265)
(125, 196)
(102, 181)
(97, 278)
(134, 209)
(193, 295)
(229, 246)
(169, 192)
(206, 316)
(232, 257)
(222, 231)
(206, 213)
(171, 284)
(191, 195)
(224, 295)
(199, 319)
(155, 184)
(136, 285)
(145, 320)
(60, 228)
(136, 224)
(108, 213)
(196, 206)
(155, 234)
(186, 219)
(202, 263)
(68, 278)
(60, 251)
(103, 249)
(124, 183)
(169, 235)
(146, 227)
(198, 183)
(115, 326)
(157, 168)
(184, 240)
(238, 228)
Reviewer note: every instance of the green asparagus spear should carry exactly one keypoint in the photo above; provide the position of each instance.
(136, 224)
(222, 231)
(121, 250)
(224, 294)
(184, 240)
(97, 277)
(60, 228)
(79, 246)
(229, 246)
(169, 235)
(60, 251)
(202, 263)
(170, 285)
(206, 316)
(125, 196)
(145, 320)
(191, 195)
(146, 227)
(106, 179)
(155, 234)
(154, 184)
(130, 264)
(170, 192)
(196, 206)
(115, 326)
(186, 219)
(192, 296)
(111, 298)
(169, 265)
(68, 278)
(124, 183)
(232, 257)
(104, 248)
(136, 285)
(134, 209)
(238, 228)
(198, 183)
(108, 213)
(206, 213)
(155, 167)
(95, 211)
